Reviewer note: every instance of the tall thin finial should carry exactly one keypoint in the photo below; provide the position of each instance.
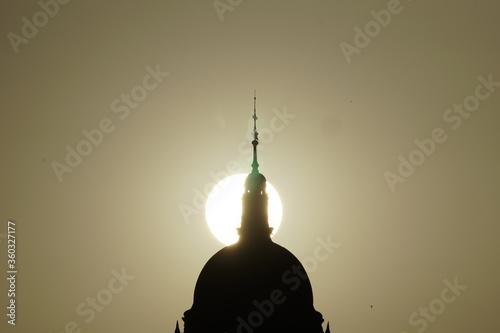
(255, 142)
(255, 116)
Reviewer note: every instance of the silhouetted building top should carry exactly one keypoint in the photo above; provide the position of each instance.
(254, 285)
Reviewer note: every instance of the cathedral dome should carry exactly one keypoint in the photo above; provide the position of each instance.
(253, 287)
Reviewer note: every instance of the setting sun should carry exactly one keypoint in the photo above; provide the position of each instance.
(223, 209)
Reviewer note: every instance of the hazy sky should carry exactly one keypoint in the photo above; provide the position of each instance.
(379, 128)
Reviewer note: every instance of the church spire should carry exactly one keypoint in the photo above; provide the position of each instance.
(255, 142)
(254, 217)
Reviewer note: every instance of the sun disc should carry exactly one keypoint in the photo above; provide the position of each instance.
(223, 208)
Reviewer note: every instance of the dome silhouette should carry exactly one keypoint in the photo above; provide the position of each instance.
(254, 285)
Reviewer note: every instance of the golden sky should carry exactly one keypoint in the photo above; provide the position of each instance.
(378, 126)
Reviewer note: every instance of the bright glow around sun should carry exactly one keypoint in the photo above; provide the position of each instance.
(223, 209)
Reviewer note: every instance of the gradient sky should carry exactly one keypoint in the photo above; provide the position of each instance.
(350, 108)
